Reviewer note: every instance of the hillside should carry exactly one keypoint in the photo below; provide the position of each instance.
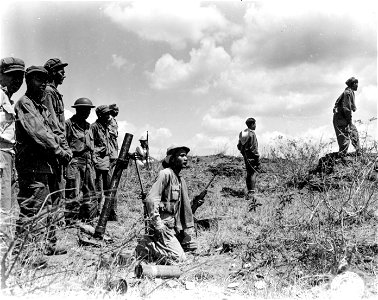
(289, 247)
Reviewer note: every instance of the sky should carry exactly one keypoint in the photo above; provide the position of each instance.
(191, 72)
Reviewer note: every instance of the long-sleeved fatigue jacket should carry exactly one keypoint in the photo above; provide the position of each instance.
(248, 144)
(342, 111)
(80, 140)
(39, 141)
(168, 202)
(53, 100)
(101, 138)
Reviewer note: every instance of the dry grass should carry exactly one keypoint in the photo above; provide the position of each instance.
(289, 248)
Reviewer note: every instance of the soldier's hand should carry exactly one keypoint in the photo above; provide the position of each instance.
(159, 233)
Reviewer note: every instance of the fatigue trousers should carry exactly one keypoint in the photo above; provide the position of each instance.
(344, 137)
(170, 249)
(81, 198)
(36, 232)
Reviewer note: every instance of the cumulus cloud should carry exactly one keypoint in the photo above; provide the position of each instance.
(174, 22)
(120, 62)
(204, 67)
(278, 35)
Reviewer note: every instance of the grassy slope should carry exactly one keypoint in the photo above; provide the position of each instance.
(291, 244)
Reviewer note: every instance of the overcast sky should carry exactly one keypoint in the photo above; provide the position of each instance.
(191, 72)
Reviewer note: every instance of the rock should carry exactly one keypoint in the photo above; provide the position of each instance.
(347, 285)
(189, 285)
(233, 285)
(260, 284)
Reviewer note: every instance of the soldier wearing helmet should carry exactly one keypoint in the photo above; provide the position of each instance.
(141, 151)
(80, 171)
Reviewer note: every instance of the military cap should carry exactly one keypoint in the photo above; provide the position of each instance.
(36, 69)
(173, 149)
(102, 110)
(54, 63)
(350, 81)
(143, 138)
(250, 121)
(11, 64)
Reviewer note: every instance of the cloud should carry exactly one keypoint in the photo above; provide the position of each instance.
(204, 67)
(174, 22)
(279, 34)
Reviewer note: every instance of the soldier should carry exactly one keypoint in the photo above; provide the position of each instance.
(141, 152)
(80, 171)
(345, 130)
(12, 72)
(101, 155)
(113, 133)
(169, 209)
(248, 147)
(53, 100)
(37, 148)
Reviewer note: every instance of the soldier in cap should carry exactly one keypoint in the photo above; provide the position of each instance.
(345, 130)
(113, 132)
(12, 72)
(53, 100)
(248, 147)
(170, 213)
(101, 155)
(38, 149)
(80, 171)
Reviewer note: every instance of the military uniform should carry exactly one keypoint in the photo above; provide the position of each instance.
(345, 130)
(168, 206)
(53, 100)
(101, 158)
(80, 172)
(248, 146)
(38, 149)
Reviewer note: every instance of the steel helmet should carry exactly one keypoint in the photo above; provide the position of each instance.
(143, 138)
(83, 102)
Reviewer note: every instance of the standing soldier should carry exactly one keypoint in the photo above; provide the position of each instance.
(141, 152)
(11, 77)
(113, 133)
(101, 155)
(37, 150)
(53, 100)
(169, 208)
(248, 147)
(345, 130)
(80, 171)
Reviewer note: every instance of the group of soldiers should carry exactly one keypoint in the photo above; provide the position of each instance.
(69, 163)
(56, 162)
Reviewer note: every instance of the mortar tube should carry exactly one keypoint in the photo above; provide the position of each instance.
(121, 164)
(158, 271)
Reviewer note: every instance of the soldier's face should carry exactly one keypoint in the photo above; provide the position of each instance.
(83, 112)
(13, 81)
(60, 75)
(37, 84)
(181, 159)
(355, 86)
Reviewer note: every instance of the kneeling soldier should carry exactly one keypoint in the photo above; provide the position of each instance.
(169, 209)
